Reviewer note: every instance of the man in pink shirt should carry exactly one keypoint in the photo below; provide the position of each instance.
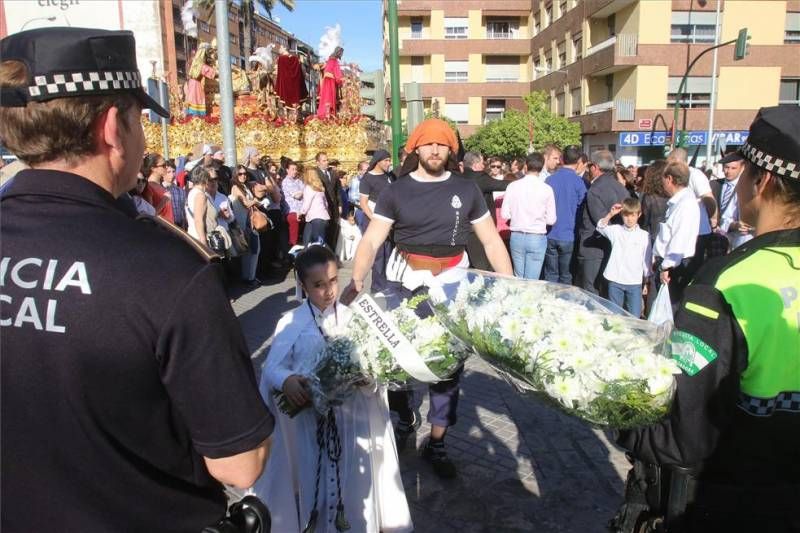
(531, 207)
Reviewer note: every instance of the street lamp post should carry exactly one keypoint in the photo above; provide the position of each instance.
(710, 138)
(225, 82)
(680, 94)
(394, 73)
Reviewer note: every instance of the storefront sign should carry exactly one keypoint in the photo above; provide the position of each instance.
(645, 123)
(694, 138)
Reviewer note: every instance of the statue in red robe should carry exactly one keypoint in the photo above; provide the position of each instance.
(331, 80)
(290, 84)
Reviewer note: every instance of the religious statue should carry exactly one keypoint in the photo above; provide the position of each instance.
(290, 83)
(197, 85)
(331, 80)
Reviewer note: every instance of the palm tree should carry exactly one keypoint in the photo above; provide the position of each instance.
(248, 11)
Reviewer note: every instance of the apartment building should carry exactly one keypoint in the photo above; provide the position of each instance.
(471, 57)
(612, 65)
(615, 66)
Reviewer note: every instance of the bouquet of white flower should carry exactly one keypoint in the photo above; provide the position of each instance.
(394, 348)
(594, 360)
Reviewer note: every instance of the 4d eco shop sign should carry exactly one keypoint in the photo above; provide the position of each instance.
(661, 138)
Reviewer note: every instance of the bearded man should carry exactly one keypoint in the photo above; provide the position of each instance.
(430, 234)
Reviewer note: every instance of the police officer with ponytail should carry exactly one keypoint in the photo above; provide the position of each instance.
(727, 458)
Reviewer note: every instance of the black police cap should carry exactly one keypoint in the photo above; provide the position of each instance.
(65, 62)
(774, 141)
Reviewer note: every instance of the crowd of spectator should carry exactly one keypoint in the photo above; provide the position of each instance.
(616, 231)
(217, 205)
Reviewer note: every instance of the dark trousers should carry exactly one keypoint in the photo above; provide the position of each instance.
(279, 235)
(379, 281)
(557, 261)
(442, 396)
(361, 220)
(679, 278)
(315, 231)
(590, 269)
(696, 261)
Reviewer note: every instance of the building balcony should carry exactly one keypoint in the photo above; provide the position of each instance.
(613, 54)
(455, 48)
(519, 8)
(605, 8)
(605, 115)
(461, 92)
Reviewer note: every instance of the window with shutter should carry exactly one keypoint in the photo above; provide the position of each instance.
(494, 110)
(696, 92)
(693, 27)
(502, 68)
(458, 113)
(456, 27)
(456, 71)
(789, 92)
(792, 32)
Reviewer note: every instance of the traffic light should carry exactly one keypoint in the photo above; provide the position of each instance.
(742, 45)
(372, 89)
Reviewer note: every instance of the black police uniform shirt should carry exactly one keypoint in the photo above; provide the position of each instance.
(122, 366)
(372, 185)
(432, 217)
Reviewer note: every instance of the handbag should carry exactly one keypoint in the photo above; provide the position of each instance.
(259, 222)
(216, 241)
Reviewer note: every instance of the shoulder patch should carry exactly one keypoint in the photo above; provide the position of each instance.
(206, 253)
(690, 353)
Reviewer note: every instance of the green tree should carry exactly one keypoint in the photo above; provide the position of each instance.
(248, 11)
(510, 136)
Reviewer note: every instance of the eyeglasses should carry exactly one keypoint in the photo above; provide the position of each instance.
(162, 165)
(241, 173)
(495, 166)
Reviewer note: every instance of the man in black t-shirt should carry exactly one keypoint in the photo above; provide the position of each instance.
(126, 401)
(432, 212)
(373, 182)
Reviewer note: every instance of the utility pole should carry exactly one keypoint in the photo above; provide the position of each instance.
(394, 73)
(225, 82)
(710, 137)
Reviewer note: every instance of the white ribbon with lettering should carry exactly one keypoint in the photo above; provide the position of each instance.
(402, 350)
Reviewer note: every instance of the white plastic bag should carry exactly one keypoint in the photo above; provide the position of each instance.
(661, 311)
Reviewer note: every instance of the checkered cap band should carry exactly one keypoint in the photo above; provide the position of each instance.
(771, 163)
(785, 401)
(81, 83)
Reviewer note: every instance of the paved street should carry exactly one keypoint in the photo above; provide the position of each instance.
(523, 466)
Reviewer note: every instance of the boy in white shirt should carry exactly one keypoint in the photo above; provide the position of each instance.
(629, 263)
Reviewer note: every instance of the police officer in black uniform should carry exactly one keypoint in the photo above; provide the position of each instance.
(128, 396)
(727, 458)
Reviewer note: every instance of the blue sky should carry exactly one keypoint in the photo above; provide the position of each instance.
(360, 21)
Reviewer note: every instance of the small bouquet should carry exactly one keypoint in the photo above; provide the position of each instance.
(397, 349)
(584, 353)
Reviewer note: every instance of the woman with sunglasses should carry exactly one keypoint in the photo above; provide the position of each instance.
(153, 169)
(143, 207)
(242, 199)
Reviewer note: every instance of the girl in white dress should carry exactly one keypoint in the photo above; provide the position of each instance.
(350, 482)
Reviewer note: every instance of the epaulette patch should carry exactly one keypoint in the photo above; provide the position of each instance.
(203, 251)
(690, 353)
